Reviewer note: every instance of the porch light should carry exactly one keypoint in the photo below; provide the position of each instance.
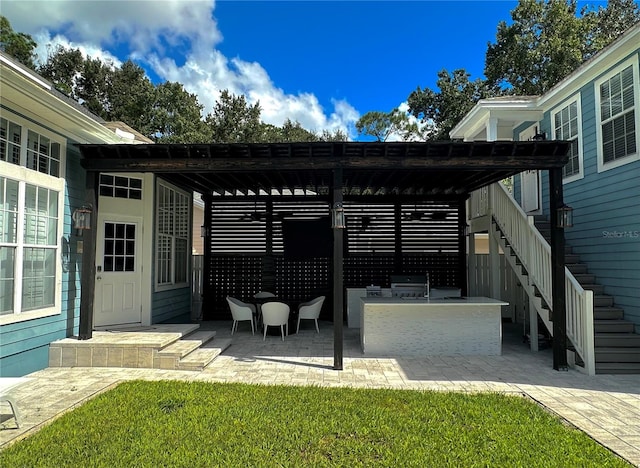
(564, 216)
(337, 216)
(204, 231)
(82, 218)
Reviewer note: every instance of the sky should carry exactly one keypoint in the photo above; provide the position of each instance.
(322, 63)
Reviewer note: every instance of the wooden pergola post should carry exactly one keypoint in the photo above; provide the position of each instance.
(88, 274)
(338, 291)
(557, 272)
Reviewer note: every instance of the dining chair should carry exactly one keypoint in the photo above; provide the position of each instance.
(241, 311)
(310, 310)
(261, 297)
(275, 314)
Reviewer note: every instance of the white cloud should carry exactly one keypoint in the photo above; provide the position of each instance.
(146, 29)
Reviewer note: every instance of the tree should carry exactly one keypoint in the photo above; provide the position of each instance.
(20, 46)
(608, 23)
(62, 68)
(383, 125)
(234, 120)
(176, 116)
(130, 97)
(442, 110)
(548, 39)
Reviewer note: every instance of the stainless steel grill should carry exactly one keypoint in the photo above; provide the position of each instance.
(409, 286)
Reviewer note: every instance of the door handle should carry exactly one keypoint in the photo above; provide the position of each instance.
(99, 278)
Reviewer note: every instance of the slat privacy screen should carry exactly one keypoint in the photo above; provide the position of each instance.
(278, 246)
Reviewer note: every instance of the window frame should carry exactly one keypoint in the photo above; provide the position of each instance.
(602, 165)
(25, 176)
(576, 98)
(171, 284)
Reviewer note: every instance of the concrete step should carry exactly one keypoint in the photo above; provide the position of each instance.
(617, 340)
(608, 313)
(601, 300)
(186, 344)
(576, 268)
(618, 368)
(203, 356)
(617, 354)
(613, 326)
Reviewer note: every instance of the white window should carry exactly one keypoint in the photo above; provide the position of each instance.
(31, 209)
(173, 208)
(40, 154)
(617, 108)
(567, 126)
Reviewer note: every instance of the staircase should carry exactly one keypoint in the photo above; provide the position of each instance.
(163, 346)
(592, 320)
(616, 345)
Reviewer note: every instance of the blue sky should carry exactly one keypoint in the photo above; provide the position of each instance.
(322, 63)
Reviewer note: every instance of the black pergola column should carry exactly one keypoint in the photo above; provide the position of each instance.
(462, 248)
(88, 274)
(338, 290)
(207, 293)
(559, 314)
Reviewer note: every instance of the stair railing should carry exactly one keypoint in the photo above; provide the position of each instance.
(534, 253)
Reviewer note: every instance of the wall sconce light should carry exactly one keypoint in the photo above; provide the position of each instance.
(564, 216)
(204, 231)
(337, 216)
(82, 218)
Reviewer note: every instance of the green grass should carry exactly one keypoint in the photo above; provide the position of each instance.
(180, 424)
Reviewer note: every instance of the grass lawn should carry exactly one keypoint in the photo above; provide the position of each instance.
(181, 424)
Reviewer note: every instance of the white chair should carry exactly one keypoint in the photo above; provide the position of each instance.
(241, 311)
(310, 310)
(275, 314)
(260, 296)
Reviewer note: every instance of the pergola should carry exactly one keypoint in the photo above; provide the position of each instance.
(336, 174)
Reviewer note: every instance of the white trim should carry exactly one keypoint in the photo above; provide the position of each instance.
(26, 176)
(602, 166)
(170, 286)
(577, 98)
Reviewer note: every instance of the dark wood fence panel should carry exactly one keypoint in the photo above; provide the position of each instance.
(248, 252)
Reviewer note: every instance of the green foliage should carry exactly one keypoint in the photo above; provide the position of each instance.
(20, 46)
(187, 424)
(176, 116)
(548, 39)
(444, 108)
(382, 125)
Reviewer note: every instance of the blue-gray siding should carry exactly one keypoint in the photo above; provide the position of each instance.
(25, 345)
(606, 231)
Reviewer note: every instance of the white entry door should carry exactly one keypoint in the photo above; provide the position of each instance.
(118, 272)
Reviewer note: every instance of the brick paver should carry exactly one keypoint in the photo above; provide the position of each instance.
(607, 407)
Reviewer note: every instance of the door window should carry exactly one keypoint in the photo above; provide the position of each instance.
(119, 247)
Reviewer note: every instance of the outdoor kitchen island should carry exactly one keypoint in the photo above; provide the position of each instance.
(397, 326)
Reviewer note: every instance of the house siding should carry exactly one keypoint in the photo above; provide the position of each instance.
(25, 345)
(606, 230)
(170, 304)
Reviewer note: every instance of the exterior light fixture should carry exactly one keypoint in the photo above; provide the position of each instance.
(564, 217)
(82, 218)
(204, 231)
(337, 216)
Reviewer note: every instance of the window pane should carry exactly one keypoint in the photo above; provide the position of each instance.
(8, 210)
(7, 269)
(38, 278)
